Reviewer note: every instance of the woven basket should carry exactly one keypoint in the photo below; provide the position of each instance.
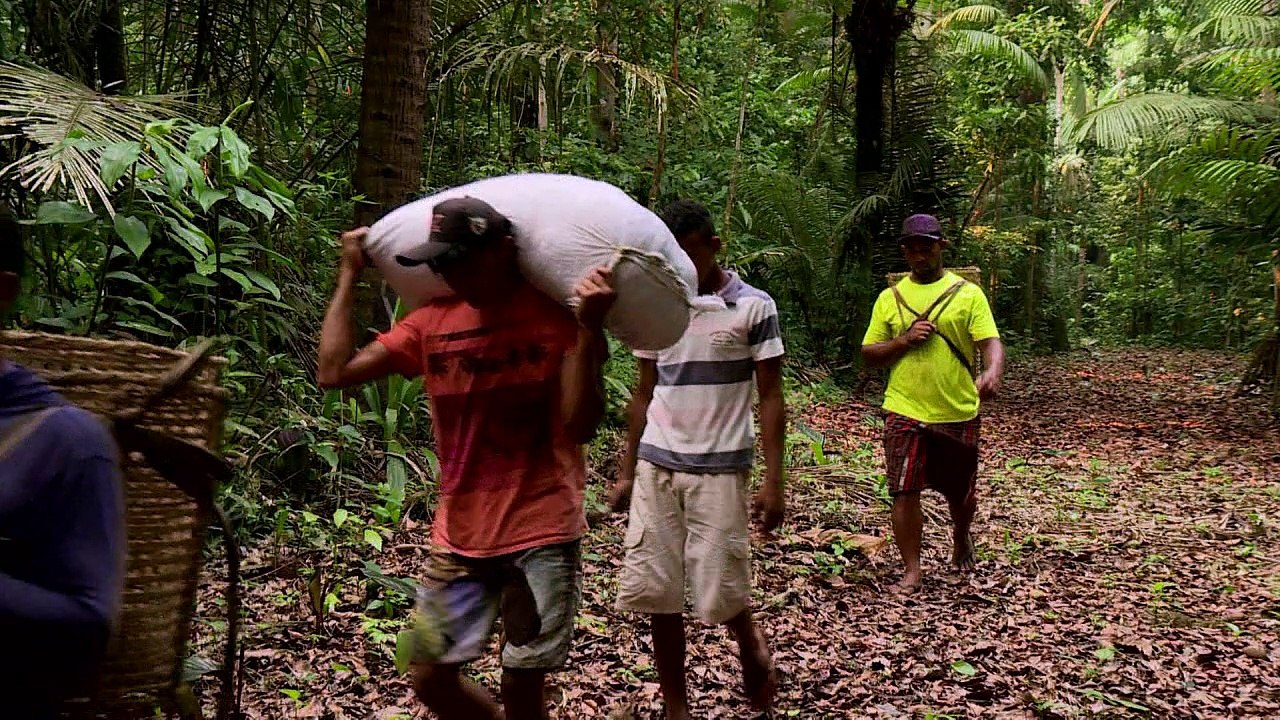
(166, 525)
(971, 273)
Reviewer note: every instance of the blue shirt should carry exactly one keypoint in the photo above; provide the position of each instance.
(62, 544)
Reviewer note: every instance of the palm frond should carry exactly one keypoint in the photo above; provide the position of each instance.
(994, 47)
(70, 125)
(451, 18)
(805, 80)
(1234, 7)
(1231, 166)
(1249, 29)
(1117, 123)
(500, 63)
(1241, 70)
(980, 15)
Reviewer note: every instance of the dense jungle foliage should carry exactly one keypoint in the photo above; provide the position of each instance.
(185, 166)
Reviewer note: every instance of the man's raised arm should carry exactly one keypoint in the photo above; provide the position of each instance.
(339, 365)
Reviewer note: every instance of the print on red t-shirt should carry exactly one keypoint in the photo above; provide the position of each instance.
(509, 477)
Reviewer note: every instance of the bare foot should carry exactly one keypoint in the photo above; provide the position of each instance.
(962, 555)
(909, 583)
(759, 676)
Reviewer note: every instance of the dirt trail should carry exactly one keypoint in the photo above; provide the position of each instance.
(1128, 566)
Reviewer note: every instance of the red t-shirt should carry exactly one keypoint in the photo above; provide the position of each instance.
(510, 479)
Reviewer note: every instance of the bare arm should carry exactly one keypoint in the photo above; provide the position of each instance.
(581, 379)
(993, 361)
(770, 501)
(582, 385)
(339, 365)
(637, 419)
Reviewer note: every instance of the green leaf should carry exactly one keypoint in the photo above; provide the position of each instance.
(340, 516)
(235, 154)
(404, 650)
(198, 279)
(143, 327)
(193, 238)
(264, 282)
(309, 517)
(207, 196)
(60, 212)
(329, 454)
(116, 160)
(134, 233)
(174, 173)
(255, 202)
(202, 141)
(372, 537)
(243, 281)
(963, 668)
(1105, 653)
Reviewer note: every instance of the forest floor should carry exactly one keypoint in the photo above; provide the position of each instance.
(1129, 565)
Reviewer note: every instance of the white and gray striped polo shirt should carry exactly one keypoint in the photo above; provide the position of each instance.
(700, 418)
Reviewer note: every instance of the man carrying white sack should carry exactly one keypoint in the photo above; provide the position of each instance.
(515, 385)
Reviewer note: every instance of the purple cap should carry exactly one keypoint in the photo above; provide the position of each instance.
(921, 226)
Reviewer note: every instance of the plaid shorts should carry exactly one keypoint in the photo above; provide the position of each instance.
(909, 468)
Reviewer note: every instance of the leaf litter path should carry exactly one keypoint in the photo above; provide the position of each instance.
(1128, 567)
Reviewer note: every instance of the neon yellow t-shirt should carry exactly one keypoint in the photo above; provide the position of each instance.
(928, 383)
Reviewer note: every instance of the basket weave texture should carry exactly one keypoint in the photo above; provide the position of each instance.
(970, 273)
(166, 527)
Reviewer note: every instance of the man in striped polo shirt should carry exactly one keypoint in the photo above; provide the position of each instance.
(687, 468)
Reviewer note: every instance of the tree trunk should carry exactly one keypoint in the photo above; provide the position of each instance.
(873, 28)
(604, 112)
(109, 36)
(204, 43)
(660, 163)
(1059, 101)
(393, 101)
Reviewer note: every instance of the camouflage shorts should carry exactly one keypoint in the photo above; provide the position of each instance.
(536, 591)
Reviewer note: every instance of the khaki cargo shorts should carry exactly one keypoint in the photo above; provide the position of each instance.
(687, 530)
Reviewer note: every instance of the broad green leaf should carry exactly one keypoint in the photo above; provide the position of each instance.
(160, 128)
(255, 202)
(963, 668)
(143, 327)
(134, 233)
(235, 153)
(116, 160)
(60, 212)
(372, 537)
(329, 454)
(175, 175)
(1105, 653)
(309, 517)
(245, 283)
(207, 197)
(405, 640)
(198, 279)
(340, 516)
(264, 282)
(202, 141)
(194, 239)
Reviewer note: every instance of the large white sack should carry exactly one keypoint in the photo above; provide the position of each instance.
(564, 227)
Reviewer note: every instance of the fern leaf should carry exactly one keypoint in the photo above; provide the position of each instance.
(992, 46)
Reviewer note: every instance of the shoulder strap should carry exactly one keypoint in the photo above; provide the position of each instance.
(943, 300)
(22, 428)
(901, 303)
